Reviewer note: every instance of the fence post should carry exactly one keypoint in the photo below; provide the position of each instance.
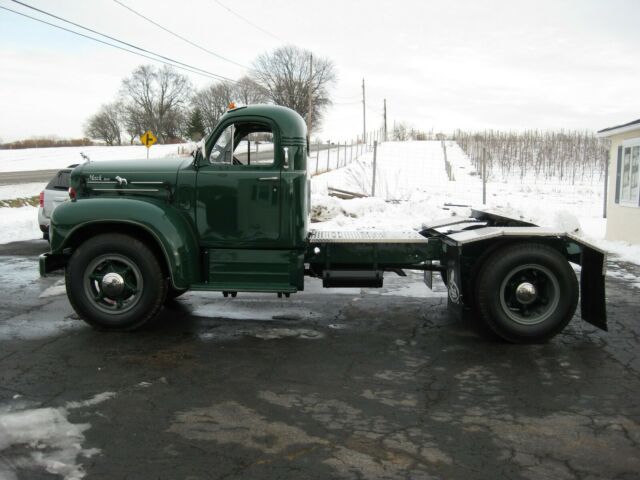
(373, 182)
(328, 153)
(606, 182)
(317, 154)
(338, 157)
(344, 164)
(351, 152)
(484, 176)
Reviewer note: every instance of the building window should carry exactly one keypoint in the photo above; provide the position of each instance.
(630, 172)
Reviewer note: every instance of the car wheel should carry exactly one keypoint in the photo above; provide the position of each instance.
(527, 293)
(114, 282)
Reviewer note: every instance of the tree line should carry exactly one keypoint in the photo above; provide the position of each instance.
(164, 101)
(567, 156)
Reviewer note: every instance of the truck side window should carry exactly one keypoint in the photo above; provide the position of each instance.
(221, 151)
(252, 143)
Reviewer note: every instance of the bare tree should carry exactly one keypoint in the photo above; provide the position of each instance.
(285, 76)
(213, 101)
(565, 156)
(105, 125)
(400, 132)
(155, 98)
(133, 120)
(247, 92)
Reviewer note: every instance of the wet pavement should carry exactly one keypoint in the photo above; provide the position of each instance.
(326, 384)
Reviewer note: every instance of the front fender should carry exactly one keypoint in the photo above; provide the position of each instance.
(172, 229)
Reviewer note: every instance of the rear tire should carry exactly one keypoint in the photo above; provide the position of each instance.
(114, 282)
(527, 292)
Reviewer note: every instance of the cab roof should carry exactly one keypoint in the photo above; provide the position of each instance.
(293, 129)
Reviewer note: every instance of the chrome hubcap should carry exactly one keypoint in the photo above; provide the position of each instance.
(112, 284)
(529, 294)
(526, 293)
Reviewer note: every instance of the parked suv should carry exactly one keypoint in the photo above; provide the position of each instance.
(56, 192)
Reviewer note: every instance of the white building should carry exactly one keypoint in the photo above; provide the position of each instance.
(623, 202)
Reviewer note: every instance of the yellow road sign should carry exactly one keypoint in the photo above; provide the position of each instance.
(148, 139)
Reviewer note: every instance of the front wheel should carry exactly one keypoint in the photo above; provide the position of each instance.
(527, 292)
(114, 282)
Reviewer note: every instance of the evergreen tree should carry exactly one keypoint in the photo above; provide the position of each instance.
(195, 128)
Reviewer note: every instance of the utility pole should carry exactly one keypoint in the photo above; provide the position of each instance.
(385, 119)
(364, 115)
(310, 93)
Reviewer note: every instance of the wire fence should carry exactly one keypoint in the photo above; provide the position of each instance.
(327, 156)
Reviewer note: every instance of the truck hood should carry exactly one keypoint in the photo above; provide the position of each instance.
(99, 177)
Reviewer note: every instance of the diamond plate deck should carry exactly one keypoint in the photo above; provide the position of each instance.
(408, 236)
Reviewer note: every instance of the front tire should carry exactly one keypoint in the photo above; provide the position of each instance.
(114, 282)
(527, 292)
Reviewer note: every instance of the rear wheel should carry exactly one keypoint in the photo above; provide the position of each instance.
(114, 282)
(527, 292)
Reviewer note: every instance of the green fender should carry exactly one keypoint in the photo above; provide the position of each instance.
(171, 228)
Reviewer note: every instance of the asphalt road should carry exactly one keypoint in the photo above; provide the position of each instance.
(357, 384)
(12, 178)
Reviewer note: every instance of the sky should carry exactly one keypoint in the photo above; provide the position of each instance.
(441, 65)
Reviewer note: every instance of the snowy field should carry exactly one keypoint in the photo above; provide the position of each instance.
(60, 157)
(411, 188)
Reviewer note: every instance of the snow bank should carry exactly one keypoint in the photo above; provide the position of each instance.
(19, 224)
(50, 440)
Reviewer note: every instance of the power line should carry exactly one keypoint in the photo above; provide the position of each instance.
(246, 20)
(215, 75)
(179, 36)
(106, 43)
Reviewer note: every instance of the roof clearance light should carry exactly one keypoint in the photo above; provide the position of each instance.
(231, 106)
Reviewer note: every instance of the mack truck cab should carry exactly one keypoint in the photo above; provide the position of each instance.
(235, 218)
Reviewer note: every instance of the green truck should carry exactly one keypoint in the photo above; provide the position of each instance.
(232, 219)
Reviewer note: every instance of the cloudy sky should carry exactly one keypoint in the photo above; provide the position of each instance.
(440, 64)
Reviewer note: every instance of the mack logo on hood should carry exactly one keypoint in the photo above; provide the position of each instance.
(98, 178)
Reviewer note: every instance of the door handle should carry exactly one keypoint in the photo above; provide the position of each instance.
(268, 179)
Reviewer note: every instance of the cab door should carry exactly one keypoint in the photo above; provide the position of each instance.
(238, 192)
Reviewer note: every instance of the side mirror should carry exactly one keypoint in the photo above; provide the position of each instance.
(197, 158)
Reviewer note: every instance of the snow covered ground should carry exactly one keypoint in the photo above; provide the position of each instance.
(60, 157)
(411, 188)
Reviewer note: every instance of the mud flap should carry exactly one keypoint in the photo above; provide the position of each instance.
(455, 298)
(592, 297)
